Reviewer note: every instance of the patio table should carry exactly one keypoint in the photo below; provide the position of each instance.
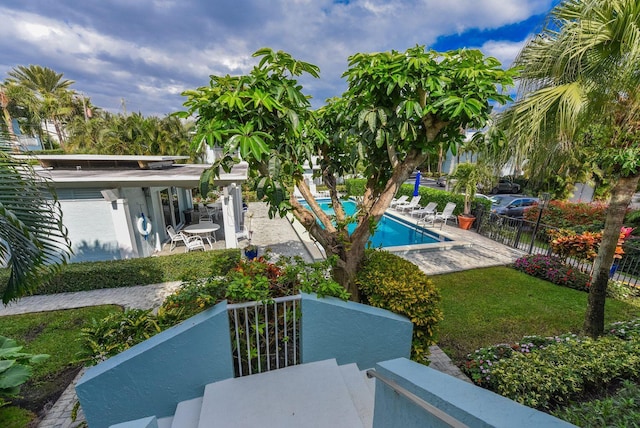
(203, 229)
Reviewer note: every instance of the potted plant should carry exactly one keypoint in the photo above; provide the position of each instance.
(251, 250)
(467, 176)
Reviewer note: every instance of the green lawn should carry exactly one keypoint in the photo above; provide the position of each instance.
(488, 306)
(55, 333)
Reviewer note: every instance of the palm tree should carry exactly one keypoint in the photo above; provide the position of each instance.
(579, 84)
(33, 241)
(50, 89)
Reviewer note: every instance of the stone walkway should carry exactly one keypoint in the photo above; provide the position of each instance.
(281, 238)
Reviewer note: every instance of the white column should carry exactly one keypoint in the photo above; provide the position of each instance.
(229, 221)
(124, 229)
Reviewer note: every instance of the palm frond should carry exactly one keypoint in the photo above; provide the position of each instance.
(33, 240)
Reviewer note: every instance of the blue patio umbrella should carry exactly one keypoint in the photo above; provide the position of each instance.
(417, 185)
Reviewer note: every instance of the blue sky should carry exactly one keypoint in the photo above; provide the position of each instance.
(148, 51)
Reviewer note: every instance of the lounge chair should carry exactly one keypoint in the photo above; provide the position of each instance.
(396, 201)
(429, 209)
(413, 204)
(443, 216)
(446, 214)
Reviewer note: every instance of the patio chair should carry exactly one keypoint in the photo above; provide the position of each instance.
(193, 243)
(429, 209)
(413, 204)
(175, 237)
(446, 214)
(397, 201)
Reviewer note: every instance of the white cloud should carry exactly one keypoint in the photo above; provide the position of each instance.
(505, 52)
(147, 48)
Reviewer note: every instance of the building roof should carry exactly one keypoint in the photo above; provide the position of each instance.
(78, 171)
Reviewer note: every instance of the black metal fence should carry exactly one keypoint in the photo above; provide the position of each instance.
(532, 238)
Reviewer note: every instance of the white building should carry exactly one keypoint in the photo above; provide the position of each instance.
(103, 199)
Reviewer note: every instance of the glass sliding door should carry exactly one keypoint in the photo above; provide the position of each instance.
(170, 207)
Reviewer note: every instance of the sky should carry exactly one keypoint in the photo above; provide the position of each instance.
(139, 55)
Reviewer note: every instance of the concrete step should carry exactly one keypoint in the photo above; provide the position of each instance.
(308, 395)
(165, 422)
(187, 413)
(361, 393)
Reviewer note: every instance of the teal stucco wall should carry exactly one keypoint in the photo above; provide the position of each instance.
(469, 404)
(150, 378)
(351, 332)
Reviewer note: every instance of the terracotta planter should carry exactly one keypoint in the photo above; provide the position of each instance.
(465, 222)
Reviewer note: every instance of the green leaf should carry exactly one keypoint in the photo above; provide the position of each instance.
(14, 376)
(5, 364)
(380, 137)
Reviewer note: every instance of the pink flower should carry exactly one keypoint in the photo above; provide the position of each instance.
(626, 231)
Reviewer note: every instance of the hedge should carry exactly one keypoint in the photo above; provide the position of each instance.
(142, 271)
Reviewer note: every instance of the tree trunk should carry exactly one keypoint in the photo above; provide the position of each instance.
(347, 268)
(620, 198)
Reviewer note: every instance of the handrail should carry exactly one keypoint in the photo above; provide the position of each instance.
(444, 417)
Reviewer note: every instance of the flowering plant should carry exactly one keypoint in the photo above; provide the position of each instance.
(552, 269)
(480, 363)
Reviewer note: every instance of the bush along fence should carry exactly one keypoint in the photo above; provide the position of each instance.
(574, 250)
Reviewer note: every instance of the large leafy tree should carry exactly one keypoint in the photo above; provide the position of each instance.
(579, 84)
(33, 240)
(399, 108)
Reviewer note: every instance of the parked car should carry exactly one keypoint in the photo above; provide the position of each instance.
(482, 196)
(505, 186)
(511, 206)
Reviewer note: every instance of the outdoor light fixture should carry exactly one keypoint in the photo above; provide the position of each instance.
(544, 202)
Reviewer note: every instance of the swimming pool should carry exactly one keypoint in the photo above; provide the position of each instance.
(391, 231)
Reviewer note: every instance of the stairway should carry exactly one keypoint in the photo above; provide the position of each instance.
(320, 394)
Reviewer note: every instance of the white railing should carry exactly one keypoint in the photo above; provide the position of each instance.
(265, 335)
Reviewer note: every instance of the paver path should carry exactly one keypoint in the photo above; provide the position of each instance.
(141, 297)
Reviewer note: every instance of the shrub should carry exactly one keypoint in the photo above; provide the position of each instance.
(578, 217)
(619, 410)
(552, 269)
(563, 372)
(125, 273)
(566, 243)
(480, 363)
(117, 332)
(621, 290)
(390, 282)
(624, 329)
(192, 298)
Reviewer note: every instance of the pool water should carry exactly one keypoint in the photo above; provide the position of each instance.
(390, 231)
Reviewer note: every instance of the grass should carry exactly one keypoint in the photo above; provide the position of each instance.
(55, 333)
(484, 307)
